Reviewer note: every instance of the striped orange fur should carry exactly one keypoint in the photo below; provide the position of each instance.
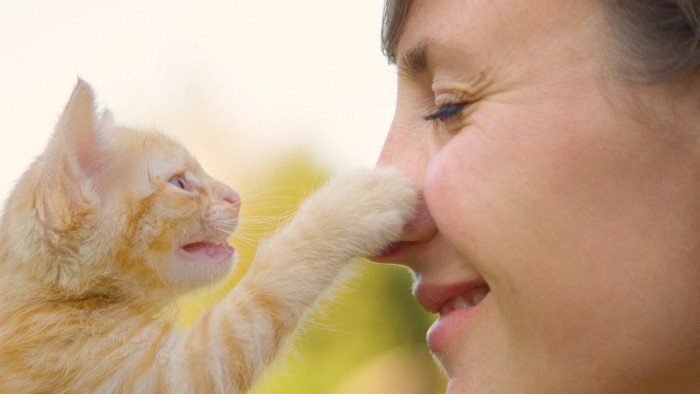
(109, 224)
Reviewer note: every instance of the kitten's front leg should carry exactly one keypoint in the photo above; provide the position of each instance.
(356, 214)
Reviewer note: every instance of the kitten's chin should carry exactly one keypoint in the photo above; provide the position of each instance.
(198, 264)
(207, 252)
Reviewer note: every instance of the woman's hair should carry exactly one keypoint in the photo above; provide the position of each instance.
(657, 39)
(395, 14)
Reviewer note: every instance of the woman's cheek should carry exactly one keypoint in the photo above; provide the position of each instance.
(446, 189)
(462, 186)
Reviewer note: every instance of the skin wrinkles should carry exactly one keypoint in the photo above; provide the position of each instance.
(447, 91)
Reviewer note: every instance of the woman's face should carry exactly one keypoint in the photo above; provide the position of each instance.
(558, 201)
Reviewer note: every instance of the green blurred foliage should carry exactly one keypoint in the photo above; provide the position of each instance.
(368, 337)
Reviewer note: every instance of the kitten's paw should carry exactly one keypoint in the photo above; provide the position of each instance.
(363, 211)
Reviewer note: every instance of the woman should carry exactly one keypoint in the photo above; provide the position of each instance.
(557, 148)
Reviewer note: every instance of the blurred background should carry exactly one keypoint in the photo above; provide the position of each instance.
(273, 97)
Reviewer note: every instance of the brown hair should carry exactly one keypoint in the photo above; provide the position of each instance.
(395, 13)
(657, 40)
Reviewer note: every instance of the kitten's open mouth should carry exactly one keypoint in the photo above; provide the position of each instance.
(208, 251)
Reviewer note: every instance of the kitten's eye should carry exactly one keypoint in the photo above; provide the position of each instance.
(178, 181)
(447, 112)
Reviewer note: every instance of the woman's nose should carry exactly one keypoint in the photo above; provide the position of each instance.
(412, 161)
(421, 227)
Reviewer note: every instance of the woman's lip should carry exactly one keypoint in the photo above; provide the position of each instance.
(432, 297)
(444, 333)
(436, 297)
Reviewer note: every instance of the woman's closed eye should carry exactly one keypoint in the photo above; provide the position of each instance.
(447, 112)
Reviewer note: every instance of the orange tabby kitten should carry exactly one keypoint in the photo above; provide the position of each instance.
(109, 224)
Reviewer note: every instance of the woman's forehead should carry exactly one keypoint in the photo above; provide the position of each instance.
(481, 26)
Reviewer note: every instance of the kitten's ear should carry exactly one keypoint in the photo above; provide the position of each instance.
(106, 119)
(79, 139)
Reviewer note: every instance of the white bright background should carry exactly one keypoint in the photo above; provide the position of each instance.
(249, 78)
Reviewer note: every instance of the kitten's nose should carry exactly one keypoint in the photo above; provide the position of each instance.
(233, 198)
(229, 195)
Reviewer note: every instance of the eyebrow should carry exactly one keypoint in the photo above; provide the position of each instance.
(415, 60)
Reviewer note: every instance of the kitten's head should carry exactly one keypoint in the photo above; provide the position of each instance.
(111, 209)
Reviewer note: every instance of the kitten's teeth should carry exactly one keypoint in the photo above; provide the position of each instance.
(479, 294)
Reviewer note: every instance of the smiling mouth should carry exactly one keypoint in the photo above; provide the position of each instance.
(466, 300)
(207, 251)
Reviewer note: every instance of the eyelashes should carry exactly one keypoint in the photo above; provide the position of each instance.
(446, 112)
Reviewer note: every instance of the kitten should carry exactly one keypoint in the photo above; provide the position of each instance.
(109, 224)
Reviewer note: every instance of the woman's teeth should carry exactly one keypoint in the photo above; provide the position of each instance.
(464, 301)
